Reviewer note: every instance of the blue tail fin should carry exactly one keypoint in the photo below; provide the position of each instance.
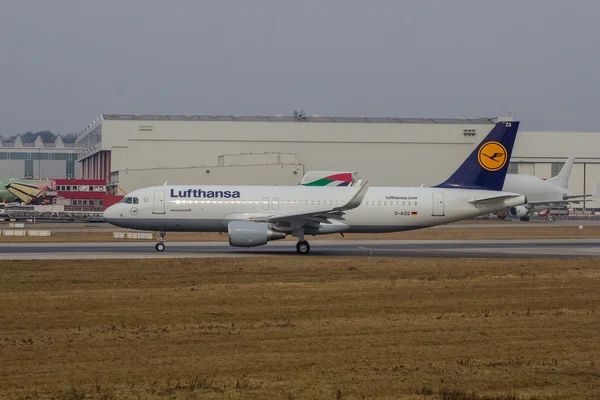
(486, 167)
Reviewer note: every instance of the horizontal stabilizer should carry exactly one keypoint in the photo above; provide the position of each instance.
(491, 199)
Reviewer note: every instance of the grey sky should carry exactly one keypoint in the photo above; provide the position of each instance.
(63, 63)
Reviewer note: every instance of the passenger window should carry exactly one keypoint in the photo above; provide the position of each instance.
(415, 203)
(379, 203)
(403, 203)
(409, 203)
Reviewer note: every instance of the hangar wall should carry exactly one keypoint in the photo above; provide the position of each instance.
(215, 175)
(387, 153)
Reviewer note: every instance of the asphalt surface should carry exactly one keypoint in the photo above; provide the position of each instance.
(537, 248)
(101, 227)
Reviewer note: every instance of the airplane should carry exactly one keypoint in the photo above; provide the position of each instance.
(255, 215)
(541, 194)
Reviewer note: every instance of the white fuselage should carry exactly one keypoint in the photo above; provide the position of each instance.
(383, 209)
(535, 189)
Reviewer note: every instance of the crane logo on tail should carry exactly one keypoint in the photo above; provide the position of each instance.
(492, 156)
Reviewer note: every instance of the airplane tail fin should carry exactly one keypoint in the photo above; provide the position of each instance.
(562, 179)
(486, 167)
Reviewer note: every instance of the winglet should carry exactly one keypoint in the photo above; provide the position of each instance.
(356, 200)
(165, 184)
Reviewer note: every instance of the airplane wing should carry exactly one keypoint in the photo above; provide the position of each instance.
(318, 215)
(577, 196)
(565, 200)
(25, 191)
(549, 202)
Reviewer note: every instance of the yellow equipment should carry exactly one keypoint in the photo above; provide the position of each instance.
(26, 192)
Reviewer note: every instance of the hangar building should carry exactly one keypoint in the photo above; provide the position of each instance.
(133, 151)
(38, 159)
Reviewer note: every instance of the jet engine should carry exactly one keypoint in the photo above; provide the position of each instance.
(518, 211)
(250, 234)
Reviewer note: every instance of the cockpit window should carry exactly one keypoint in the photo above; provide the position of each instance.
(129, 200)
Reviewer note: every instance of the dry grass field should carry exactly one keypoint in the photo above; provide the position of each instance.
(300, 328)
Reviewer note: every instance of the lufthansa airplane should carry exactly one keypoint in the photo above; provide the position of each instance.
(254, 215)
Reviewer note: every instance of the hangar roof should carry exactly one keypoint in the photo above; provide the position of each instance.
(283, 118)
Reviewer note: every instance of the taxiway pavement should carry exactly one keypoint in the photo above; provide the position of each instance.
(526, 248)
(101, 227)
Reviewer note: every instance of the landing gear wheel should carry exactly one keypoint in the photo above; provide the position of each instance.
(160, 246)
(525, 219)
(303, 247)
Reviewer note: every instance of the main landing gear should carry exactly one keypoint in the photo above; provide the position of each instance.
(302, 247)
(160, 246)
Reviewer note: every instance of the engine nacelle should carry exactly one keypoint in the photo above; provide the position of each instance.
(250, 234)
(518, 211)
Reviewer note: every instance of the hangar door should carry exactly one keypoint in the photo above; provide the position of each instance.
(159, 202)
(438, 204)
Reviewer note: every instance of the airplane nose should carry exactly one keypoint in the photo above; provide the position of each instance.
(111, 214)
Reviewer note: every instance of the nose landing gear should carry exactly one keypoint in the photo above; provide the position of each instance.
(160, 246)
